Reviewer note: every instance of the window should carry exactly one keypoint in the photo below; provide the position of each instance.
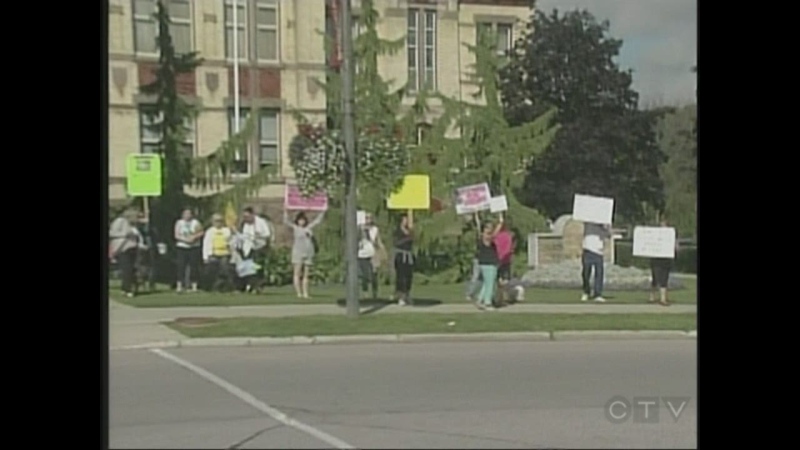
(150, 134)
(145, 28)
(267, 30)
(503, 34)
(266, 37)
(240, 161)
(423, 130)
(421, 49)
(241, 27)
(268, 137)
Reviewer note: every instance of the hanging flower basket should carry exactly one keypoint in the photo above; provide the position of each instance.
(318, 158)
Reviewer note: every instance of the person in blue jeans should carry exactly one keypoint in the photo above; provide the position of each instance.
(594, 237)
(486, 254)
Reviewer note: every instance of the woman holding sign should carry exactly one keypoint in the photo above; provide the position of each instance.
(659, 271)
(486, 254)
(404, 259)
(303, 249)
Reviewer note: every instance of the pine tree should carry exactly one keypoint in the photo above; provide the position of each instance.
(172, 113)
(487, 150)
(317, 154)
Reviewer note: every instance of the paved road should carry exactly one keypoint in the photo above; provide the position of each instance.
(449, 395)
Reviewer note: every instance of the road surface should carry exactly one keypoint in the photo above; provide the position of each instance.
(445, 395)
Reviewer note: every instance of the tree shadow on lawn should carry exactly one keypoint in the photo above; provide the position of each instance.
(375, 305)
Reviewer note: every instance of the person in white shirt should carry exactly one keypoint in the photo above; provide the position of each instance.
(368, 245)
(217, 253)
(254, 235)
(594, 236)
(123, 247)
(188, 239)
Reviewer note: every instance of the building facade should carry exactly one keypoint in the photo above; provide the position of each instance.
(282, 57)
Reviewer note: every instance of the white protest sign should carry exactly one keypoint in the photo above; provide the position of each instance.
(587, 208)
(498, 204)
(654, 242)
(361, 217)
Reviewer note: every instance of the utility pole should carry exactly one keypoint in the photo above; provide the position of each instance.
(348, 133)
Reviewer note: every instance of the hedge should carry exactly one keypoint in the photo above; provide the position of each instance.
(685, 259)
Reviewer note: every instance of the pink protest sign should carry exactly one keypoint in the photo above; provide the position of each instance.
(294, 200)
(470, 199)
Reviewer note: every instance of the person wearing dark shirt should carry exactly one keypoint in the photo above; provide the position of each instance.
(148, 254)
(404, 259)
(486, 254)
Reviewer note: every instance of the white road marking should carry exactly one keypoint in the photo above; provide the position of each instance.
(256, 403)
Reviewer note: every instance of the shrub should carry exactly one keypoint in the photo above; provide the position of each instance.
(685, 259)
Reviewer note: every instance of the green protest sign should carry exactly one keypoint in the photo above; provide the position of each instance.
(144, 175)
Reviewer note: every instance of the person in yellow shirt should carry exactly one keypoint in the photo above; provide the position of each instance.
(217, 254)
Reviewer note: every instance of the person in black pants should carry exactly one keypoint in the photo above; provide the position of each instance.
(659, 271)
(123, 248)
(404, 259)
(148, 253)
(188, 240)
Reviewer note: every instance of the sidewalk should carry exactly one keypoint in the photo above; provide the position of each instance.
(130, 315)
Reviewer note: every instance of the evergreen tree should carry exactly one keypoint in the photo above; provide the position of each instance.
(172, 114)
(488, 149)
(317, 153)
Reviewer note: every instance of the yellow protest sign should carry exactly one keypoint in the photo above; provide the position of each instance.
(414, 194)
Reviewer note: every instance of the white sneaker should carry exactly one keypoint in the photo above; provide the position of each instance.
(600, 300)
(584, 297)
(490, 308)
(401, 302)
(129, 295)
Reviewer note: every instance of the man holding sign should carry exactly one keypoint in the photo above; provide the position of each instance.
(597, 214)
(594, 237)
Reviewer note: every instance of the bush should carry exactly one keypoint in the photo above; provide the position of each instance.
(685, 259)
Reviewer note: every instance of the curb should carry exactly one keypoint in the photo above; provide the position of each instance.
(542, 336)
(620, 335)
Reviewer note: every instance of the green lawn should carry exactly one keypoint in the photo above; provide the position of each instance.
(410, 323)
(423, 294)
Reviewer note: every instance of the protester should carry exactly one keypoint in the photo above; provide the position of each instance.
(486, 254)
(404, 259)
(660, 269)
(514, 290)
(242, 259)
(368, 244)
(188, 235)
(255, 234)
(123, 247)
(594, 237)
(147, 256)
(303, 249)
(217, 245)
(504, 241)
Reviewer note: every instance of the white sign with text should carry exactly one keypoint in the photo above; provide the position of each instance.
(654, 242)
(361, 217)
(498, 204)
(587, 208)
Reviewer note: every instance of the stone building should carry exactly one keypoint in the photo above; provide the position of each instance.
(281, 54)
